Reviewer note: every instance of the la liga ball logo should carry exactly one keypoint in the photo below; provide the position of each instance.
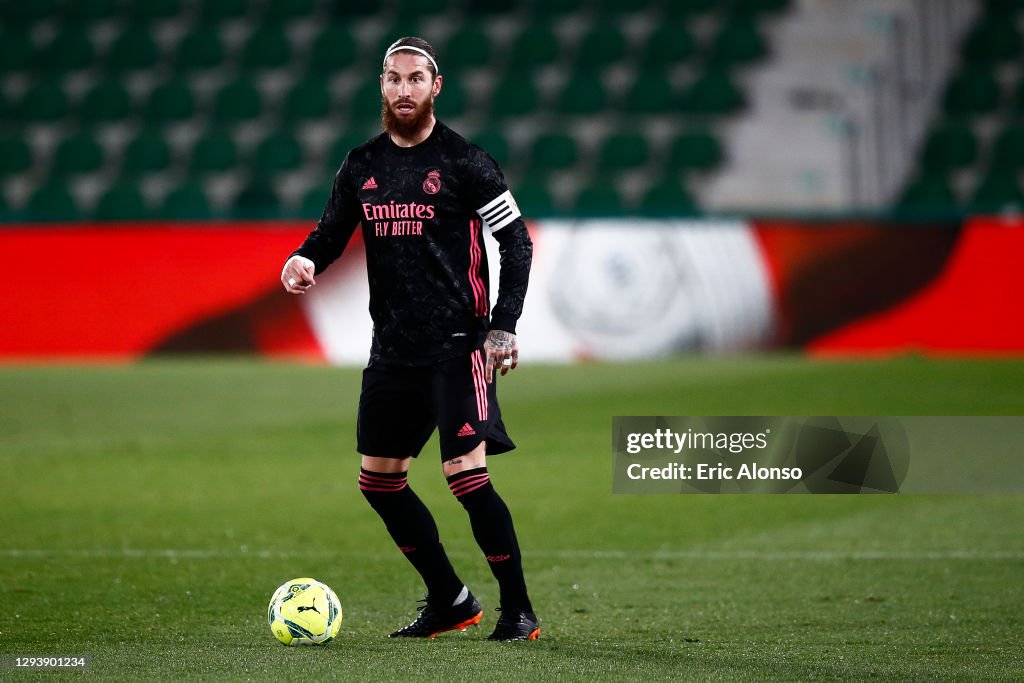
(432, 185)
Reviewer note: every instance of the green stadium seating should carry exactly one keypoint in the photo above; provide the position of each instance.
(345, 143)
(600, 47)
(583, 95)
(599, 197)
(278, 152)
(77, 153)
(714, 93)
(258, 199)
(214, 152)
(363, 106)
(268, 47)
(951, 146)
(616, 8)
(70, 50)
(495, 144)
(170, 102)
(534, 198)
(1004, 8)
(694, 150)
(237, 101)
(15, 155)
(548, 8)
(403, 25)
(738, 42)
(668, 44)
(494, 7)
(153, 10)
(514, 95)
(553, 152)
(148, 152)
(1008, 149)
(201, 48)
(276, 11)
(43, 102)
(216, 11)
(347, 10)
(535, 46)
(105, 102)
(668, 197)
(333, 49)
(16, 13)
(121, 201)
(686, 9)
(998, 190)
(931, 192)
(468, 47)
(974, 90)
(51, 202)
(187, 200)
(994, 40)
(76, 11)
(753, 8)
(133, 50)
(624, 150)
(308, 99)
(453, 100)
(315, 200)
(16, 50)
(652, 93)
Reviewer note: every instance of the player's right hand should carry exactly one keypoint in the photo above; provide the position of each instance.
(297, 276)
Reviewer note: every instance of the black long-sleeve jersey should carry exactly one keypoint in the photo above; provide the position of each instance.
(422, 211)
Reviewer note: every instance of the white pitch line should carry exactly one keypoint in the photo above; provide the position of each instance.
(784, 555)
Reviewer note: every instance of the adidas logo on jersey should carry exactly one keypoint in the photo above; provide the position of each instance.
(370, 184)
(466, 430)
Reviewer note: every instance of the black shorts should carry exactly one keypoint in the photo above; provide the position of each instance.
(399, 407)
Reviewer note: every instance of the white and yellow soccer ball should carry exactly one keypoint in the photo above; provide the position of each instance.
(304, 612)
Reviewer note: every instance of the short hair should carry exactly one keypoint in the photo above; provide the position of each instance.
(417, 46)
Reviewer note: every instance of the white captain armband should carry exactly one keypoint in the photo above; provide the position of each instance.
(500, 211)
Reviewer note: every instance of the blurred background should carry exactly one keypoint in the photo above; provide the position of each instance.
(699, 174)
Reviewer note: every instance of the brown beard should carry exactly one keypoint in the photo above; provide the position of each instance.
(405, 128)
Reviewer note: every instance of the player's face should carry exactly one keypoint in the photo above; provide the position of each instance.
(408, 88)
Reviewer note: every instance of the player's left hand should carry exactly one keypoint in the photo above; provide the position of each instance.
(501, 351)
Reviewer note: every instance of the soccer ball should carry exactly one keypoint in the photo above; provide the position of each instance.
(304, 612)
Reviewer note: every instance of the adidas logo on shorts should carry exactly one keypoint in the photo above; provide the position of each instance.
(466, 430)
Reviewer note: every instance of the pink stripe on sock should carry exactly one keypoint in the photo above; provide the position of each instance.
(469, 484)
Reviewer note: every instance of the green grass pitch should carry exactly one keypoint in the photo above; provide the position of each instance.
(147, 512)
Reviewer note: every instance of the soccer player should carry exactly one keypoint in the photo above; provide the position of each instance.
(423, 194)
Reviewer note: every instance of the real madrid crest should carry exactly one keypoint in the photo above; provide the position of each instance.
(432, 185)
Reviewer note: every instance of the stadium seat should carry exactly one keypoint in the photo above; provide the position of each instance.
(599, 197)
(257, 200)
(469, 47)
(15, 155)
(77, 153)
(928, 191)
(267, 47)
(333, 49)
(614, 9)
(549, 8)
(515, 95)
(652, 93)
(215, 151)
(694, 150)
(345, 143)
(133, 50)
(998, 190)
(1004, 8)
(621, 151)
(1008, 149)
(276, 11)
(600, 47)
(216, 11)
(147, 152)
(494, 143)
(534, 197)
(714, 93)
(535, 46)
(308, 99)
(993, 40)
(738, 42)
(170, 102)
(153, 10)
(754, 8)
(105, 102)
(237, 101)
(201, 48)
(24, 14)
(70, 50)
(583, 95)
(453, 100)
(363, 106)
(16, 50)
(188, 200)
(77, 11)
(44, 102)
(51, 202)
(686, 9)
(553, 152)
(121, 201)
(668, 44)
(974, 90)
(347, 10)
(952, 145)
(278, 152)
(668, 197)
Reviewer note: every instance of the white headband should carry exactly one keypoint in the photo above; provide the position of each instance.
(414, 49)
